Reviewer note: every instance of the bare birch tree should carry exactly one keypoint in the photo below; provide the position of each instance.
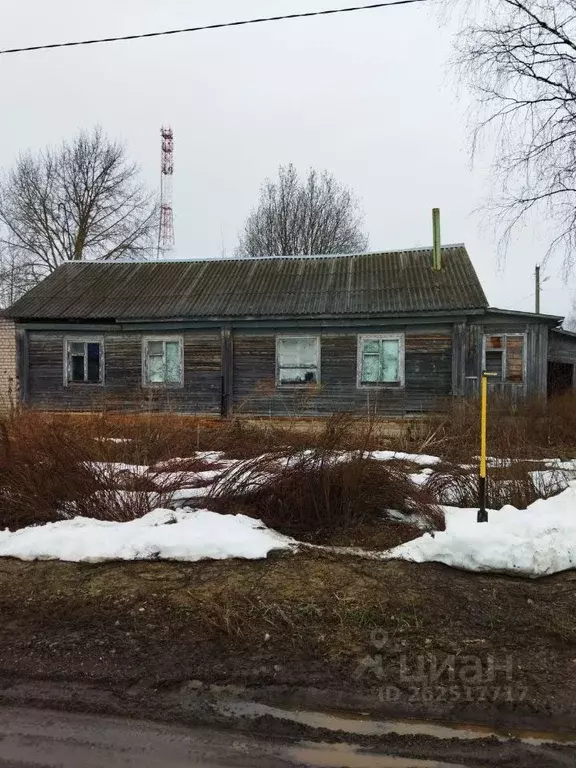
(82, 200)
(295, 217)
(519, 56)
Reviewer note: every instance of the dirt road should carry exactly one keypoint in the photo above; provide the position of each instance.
(50, 739)
(44, 738)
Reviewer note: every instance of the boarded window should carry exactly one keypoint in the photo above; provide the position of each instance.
(380, 360)
(298, 359)
(504, 357)
(515, 358)
(163, 361)
(84, 362)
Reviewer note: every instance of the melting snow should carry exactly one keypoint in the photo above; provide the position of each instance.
(162, 534)
(534, 542)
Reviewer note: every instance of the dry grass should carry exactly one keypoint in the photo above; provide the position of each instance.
(514, 484)
(49, 470)
(530, 430)
(49, 464)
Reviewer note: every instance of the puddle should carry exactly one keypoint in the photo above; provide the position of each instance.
(348, 756)
(363, 725)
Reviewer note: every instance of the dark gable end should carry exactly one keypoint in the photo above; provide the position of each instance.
(378, 283)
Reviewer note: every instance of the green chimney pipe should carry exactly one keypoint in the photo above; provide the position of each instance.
(437, 247)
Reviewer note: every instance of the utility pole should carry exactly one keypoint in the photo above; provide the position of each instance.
(537, 277)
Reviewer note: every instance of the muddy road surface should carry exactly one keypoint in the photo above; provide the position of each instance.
(36, 738)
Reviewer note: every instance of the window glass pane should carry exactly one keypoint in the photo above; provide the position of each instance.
(515, 358)
(297, 376)
(76, 347)
(371, 369)
(372, 346)
(156, 369)
(155, 347)
(390, 360)
(173, 362)
(494, 363)
(93, 351)
(77, 367)
(298, 352)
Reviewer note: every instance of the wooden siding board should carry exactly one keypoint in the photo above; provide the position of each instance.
(561, 349)
(227, 372)
(123, 379)
(536, 352)
(428, 359)
(458, 358)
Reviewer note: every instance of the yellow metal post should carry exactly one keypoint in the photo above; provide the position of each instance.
(483, 424)
(482, 513)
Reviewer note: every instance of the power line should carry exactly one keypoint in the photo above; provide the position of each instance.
(207, 27)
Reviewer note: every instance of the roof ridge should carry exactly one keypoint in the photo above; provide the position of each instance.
(416, 249)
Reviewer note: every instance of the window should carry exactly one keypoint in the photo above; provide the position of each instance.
(504, 357)
(381, 360)
(162, 362)
(84, 361)
(297, 360)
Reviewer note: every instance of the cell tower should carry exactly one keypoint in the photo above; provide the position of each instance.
(166, 228)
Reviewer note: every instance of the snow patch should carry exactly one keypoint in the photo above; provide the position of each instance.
(414, 458)
(162, 534)
(537, 541)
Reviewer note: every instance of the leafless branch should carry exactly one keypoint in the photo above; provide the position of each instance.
(519, 58)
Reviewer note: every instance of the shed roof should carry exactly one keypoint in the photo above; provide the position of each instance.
(392, 282)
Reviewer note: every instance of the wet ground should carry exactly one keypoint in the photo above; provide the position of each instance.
(305, 660)
(259, 736)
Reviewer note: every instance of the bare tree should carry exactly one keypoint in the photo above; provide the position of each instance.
(296, 217)
(16, 276)
(80, 201)
(519, 56)
(569, 323)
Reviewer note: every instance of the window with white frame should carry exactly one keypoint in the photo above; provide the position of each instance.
(297, 360)
(84, 361)
(162, 362)
(381, 360)
(504, 356)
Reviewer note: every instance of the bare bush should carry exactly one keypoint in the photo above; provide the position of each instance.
(48, 472)
(312, 495)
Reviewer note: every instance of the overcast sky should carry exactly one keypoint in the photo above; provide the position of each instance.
(367, 96)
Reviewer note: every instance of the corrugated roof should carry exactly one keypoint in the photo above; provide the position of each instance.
(383, 283)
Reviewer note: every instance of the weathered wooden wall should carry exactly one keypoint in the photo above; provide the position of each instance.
(536, 355)
(562, 348)
(428, 375)
(233, 370)
(123, 380)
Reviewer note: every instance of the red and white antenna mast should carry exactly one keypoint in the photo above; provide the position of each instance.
(166, 229)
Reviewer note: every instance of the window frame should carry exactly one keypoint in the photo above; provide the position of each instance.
(299, 336)
(162, 384)
(400, 383)
(504, 378)
(84, 339)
